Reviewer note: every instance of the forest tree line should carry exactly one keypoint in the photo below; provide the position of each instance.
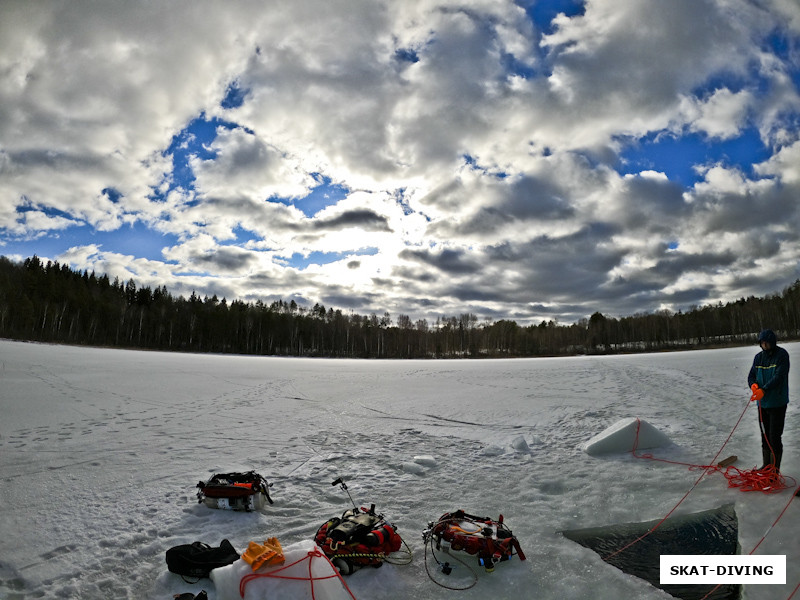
(53, 303)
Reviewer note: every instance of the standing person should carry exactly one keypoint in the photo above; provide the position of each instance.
(769, 380)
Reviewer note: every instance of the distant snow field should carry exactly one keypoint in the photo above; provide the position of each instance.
(101, 450)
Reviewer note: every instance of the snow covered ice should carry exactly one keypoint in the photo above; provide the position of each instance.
(100, 452)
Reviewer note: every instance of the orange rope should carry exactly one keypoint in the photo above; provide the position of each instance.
(674, 508)
(276, 574)
(766, 480)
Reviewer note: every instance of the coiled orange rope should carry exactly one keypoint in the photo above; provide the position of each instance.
(766, 479)
(315, 553)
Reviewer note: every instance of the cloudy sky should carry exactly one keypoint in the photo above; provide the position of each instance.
(526, 160)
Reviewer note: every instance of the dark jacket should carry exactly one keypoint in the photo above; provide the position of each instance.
(770, 371)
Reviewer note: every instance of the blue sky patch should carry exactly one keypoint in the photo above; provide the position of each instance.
(514, 66)
(234, 96)
(138, 240)
(48, 210)
(407, 55)
(193, 140)
(113, 194)
(543, 12)
(242, 237)
(402, 201)
(678, 157)
(326, 193)
(299, 261)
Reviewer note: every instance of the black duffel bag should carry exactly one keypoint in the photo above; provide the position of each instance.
(198, 559)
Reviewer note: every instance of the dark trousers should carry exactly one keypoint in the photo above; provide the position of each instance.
(771, 424)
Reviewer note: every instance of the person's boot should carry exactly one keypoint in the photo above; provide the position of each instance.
(766, 457)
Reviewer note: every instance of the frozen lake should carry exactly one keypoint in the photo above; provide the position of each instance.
(100, 452)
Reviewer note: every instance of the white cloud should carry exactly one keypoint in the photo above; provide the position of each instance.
(721, 115)
(784, 164)
(95, 92)
(246, 165)
(475, 187)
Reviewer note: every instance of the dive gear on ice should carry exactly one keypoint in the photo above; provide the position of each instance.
(359, 538)
(234, 491)
(491, 541)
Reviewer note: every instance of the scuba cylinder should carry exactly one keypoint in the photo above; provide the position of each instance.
(360, 537)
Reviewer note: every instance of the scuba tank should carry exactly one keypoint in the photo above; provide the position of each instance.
(360, 537)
